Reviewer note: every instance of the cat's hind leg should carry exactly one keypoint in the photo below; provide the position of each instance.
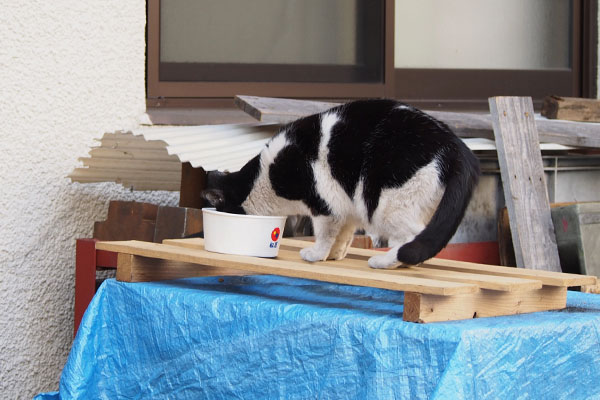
(389, 259)
(326, 230)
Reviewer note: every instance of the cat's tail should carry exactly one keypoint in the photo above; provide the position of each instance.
(462, 176)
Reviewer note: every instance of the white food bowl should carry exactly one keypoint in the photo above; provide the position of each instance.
(247, 235)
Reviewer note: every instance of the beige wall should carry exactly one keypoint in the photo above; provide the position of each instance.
(69, 71)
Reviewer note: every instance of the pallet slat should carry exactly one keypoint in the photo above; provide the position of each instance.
(508, 284)
(546, 277)
(287, 268)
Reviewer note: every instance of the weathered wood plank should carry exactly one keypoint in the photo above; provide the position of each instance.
(287, 268)
(567, 133)
(483, 281)
(485, 303)
(127, 220)
(266, 109)
(525, 192)
(132, 268)
(546, 277)
(571, 108)
(507, 284)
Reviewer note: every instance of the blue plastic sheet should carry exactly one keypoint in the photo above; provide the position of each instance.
(269, 337)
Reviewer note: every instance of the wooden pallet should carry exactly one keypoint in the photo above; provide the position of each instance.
(437, 290)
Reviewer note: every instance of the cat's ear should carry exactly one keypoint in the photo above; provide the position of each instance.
(214, 179)
(215, 197)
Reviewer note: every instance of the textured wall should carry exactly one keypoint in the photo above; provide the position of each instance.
(69, 71)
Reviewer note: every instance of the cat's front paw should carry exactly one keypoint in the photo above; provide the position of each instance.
(383, 261)
(312, 254)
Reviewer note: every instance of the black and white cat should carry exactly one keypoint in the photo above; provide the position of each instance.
(379, 165)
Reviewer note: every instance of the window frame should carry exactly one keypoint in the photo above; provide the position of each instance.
(157, 89)
(470, 88)
(427, 88)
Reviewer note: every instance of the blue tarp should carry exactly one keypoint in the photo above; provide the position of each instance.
(263, 337)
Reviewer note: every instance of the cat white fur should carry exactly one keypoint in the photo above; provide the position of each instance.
(398, 216)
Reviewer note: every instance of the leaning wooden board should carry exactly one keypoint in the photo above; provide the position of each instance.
(438, 290)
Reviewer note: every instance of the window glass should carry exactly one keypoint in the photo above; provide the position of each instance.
(483, 34)
(239, 40)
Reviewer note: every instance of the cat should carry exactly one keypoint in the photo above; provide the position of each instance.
(378, 165)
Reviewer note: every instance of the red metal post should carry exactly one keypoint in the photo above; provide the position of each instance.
(85, 277)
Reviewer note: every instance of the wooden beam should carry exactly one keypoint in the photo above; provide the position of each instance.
(131, 268)
(127, 220)
(486, 303)
(177, 222)
(567, 133)
(571, 108)
(525, 192)
(267, 109)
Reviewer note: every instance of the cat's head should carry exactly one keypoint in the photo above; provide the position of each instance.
(220, 193)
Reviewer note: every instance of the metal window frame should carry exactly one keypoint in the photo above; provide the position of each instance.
(157, 89)
(430, 88)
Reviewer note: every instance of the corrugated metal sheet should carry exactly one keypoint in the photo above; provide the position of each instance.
(150, 158)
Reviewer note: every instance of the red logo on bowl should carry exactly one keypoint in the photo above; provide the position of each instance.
(275, 234)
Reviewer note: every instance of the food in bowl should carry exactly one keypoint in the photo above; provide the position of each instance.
(248, 235)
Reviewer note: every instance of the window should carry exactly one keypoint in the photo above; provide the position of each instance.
(426, 52)
(470, 50)
(308, 48)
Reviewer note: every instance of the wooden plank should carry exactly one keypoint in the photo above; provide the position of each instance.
(266, 109)
(122, 175)
(287, 268)
(525, 192)
(127, 220)
(131, 164)
(133, 154)
(509, 284)
(546, 277)
(486, 303)
(132, 268)
(176, 222)
(591, 288)
(133, 184)
(193, 182)
(567, 133)
(127, 141)
(571, 108)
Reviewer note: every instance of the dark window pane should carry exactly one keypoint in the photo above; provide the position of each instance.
(272, 40)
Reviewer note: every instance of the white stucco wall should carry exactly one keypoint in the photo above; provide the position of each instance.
(69, 71)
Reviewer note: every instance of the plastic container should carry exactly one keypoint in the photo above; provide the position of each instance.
(248, 235)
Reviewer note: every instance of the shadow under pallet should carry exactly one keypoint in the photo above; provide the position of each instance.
(437, 290)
